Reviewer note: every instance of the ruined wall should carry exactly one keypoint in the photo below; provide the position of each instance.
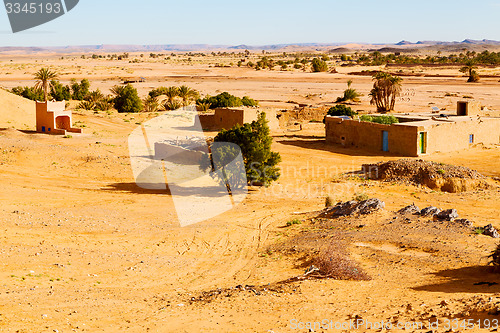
(469, 108)
(403, 140)
(307, 113)
(454, 136)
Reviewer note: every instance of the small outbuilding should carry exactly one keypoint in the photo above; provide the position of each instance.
(53, 118)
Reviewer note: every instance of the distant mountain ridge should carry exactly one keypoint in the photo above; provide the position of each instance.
(323, 47)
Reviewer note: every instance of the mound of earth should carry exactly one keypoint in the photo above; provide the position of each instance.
(437, 176)
(16, 111)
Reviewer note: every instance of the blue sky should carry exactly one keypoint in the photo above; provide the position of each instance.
(261, 22)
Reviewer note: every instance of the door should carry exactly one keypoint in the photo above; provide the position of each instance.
(423, 142)
(385, 141)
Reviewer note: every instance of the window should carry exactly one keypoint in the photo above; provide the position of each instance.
(471, 138)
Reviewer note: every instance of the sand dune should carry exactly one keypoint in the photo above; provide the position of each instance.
(16, 112)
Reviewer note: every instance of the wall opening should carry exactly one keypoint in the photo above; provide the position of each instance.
(462, 108)
(63, 122)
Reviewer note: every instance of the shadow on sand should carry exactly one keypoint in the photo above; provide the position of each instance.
(317, 143)
(209, 192)
(475, 279)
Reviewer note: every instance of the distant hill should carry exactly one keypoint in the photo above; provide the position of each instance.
(470, 44)
(16, 111)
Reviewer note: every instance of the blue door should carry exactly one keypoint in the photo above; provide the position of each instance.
(385, 141)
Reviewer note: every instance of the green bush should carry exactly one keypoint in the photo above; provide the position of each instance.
(126, 99)
(31, 93)
(319, 65)
(247, 101)
(59, 92)
(293, 222)
(341, 110)
(384, 120)
(226, 100)
(80, 90)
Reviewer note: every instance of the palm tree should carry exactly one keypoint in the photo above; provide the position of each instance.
(171, 93)
(186, 94)
(350, 94)
(151, 104)
(385, 90)
(469, 68)
(43, 80)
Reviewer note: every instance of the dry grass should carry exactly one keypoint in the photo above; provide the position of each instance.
(334, 262)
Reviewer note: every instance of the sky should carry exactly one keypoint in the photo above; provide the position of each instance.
(261, 22)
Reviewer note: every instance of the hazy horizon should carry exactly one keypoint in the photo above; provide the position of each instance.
(222, 22)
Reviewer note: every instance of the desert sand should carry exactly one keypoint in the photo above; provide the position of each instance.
(84, 249)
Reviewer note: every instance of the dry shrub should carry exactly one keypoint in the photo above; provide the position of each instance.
(334, 262)
(495, 259)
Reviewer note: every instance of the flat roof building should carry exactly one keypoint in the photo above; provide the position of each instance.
(417, 135)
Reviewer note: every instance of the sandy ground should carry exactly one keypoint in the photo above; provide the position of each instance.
(84, 249)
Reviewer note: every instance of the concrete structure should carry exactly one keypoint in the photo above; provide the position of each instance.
(185, 152)
(417, 135)
(52, 118)
(228, 118)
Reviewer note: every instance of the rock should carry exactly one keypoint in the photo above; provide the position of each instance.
(411, 209)
(448, 215)
(489, 230)
(356, 207)
(465, 223)
(343, 209)
(430, 211)
(370, 205)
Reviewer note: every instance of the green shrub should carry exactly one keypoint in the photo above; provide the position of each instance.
(293, 222)
(59, 92)
(247, 101)
(226, 100)
(384, 120)
(319, 65)
(31, 93)
(80, 90)
(126, 99)
(341, 110)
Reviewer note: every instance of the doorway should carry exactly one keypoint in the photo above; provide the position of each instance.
(423, 143)
(385, 141)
